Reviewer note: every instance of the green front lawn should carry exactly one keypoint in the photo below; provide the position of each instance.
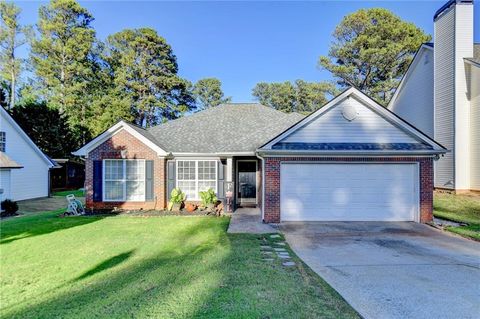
(459, 208)
(76, 192)
(157, 267)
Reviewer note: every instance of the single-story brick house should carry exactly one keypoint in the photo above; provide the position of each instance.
(352, 160)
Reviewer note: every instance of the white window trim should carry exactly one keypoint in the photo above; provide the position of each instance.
(124, 180)
(197, 197)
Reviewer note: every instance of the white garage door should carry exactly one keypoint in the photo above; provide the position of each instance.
(348, 192)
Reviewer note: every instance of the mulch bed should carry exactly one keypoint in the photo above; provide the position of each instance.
(143, 213)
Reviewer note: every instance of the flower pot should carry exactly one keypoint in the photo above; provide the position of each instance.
(176, 207)
(190, 207)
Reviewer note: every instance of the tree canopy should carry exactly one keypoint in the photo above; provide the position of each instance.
(60, 58)
(372, 49)
(12, 36)
(144, 71)
(208, 93)
(300, 96)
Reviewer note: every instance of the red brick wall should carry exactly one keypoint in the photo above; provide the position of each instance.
(135, 149)
(272, 182)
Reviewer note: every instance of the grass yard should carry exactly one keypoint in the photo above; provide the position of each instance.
(158, 267)
(76, 192)
(459, 208)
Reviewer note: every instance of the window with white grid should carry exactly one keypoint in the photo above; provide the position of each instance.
(194, 176)
(124, 180)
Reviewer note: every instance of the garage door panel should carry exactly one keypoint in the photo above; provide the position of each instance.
(360, 192)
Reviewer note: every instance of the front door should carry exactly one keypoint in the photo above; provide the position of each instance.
(247, 183)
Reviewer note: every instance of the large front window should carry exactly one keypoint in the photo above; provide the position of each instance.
(124, 180)
(196, 176)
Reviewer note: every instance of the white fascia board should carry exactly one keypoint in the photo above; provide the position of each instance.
(111, 132)
(29, 141)
(407, 74)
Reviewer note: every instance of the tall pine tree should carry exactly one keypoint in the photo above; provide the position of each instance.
(12, 36)
(60, 57)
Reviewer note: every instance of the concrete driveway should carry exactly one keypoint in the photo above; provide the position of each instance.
(393, 270)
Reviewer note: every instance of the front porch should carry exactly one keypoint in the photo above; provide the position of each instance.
(249, 220)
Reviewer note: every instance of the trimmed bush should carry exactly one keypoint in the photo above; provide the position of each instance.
(8, 208)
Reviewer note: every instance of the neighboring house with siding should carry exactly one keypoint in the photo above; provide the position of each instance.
(439, 94)
(24, 168)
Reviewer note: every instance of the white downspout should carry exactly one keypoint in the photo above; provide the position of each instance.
(263, 184)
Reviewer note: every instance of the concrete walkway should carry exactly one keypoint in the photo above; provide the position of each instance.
(249, 220)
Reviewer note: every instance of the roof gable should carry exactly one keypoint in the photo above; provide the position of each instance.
(5, 116)
(138, 132)
(426, 52)
(352, 122)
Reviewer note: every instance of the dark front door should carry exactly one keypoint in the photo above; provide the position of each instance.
(247, 183)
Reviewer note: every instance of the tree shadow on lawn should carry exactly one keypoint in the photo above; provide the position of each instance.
(151, 287)
(218, 276)
(107, 264)
(40, 224)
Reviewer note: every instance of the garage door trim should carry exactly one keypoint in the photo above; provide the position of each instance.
(416, 179)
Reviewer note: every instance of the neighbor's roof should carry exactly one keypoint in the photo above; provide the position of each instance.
(227, 128)
(7, 162)
(476, 54)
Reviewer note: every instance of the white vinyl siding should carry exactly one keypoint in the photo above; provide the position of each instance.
(195, 176)
(5, 184)
(123, 180)
(332, 127)
(444, 96)
(414, 100)
(349, 192)
(31, 181)
(475, 128)
(463, 49)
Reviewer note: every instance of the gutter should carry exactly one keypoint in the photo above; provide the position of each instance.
(284, 153)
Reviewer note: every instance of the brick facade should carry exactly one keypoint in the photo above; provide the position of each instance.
(272, 182)
(132, 148)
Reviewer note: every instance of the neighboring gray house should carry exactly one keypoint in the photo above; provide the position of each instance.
(440, 95)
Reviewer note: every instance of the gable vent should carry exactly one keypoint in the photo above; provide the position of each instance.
(349, 112)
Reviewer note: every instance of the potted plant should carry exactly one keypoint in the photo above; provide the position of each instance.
(177, 197)
(209, 199)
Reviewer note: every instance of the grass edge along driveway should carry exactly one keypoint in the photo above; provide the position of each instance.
(459, 208)
(162, 267)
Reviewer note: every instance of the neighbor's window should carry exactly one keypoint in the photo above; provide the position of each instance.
(196, 176)
(124, 180)
(3, 141)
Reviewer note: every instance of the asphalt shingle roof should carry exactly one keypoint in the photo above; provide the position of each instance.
(232, 127)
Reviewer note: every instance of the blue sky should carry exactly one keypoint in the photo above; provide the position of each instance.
(243, 43)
